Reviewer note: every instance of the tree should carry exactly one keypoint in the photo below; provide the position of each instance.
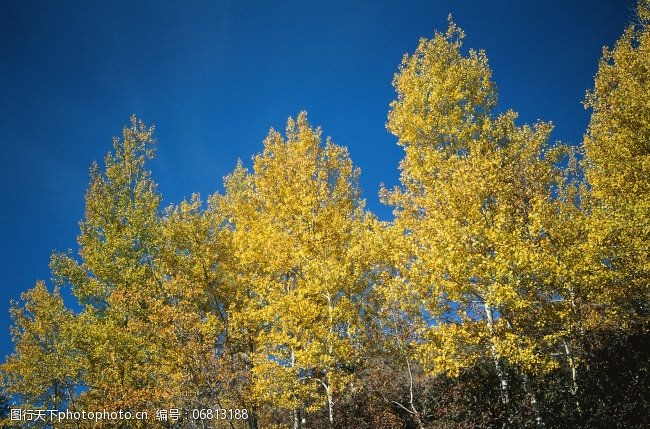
(477, 201)
(150, 292)
(298, 225)
(117, 280)
(617, 163)
(43, 368)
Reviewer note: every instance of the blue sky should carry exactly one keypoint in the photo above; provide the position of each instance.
(215, 76)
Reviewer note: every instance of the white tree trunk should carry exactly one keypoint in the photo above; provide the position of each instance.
(416, 413)
(330, 405)
(495, 356)
(574, 376)
(330, 349)
(296, 418)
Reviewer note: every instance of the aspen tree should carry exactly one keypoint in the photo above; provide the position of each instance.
(476, 191)
(117, 280)
(617, 162)
(297, 235)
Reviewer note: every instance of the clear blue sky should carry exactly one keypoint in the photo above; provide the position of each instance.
(215, 76)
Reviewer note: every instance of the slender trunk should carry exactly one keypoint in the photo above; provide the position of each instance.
(416, 413)
(330, 348)
(585, 351)
(569, 355)
(574, 376)
(330, 400)
(495, 356)
(330, 405)
(539, 422)
(296, 418)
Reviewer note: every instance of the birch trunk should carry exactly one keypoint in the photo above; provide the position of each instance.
(296, 418)
(495, 356)
(574, 376)
(330, 405)
(330, 349)
(416, 413)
